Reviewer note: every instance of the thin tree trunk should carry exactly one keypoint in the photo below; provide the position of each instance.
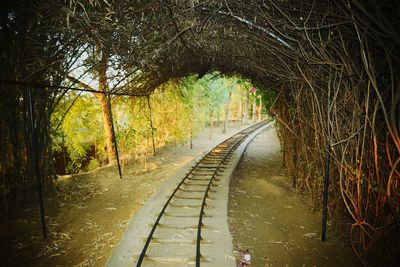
(191, 133)
(63, 150)
(151, 124)
(228, 107)
(260, 109)
(211, 125)
(218, 115)
(253, 109)
(240, 121)
(246, 111)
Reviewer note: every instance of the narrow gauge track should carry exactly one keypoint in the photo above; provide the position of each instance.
(180, 233)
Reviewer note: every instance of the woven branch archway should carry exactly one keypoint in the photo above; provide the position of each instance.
(333, 64)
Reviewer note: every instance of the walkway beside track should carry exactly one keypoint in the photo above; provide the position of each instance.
(218, 248)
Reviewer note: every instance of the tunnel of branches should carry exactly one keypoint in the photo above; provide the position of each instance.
(334, 66)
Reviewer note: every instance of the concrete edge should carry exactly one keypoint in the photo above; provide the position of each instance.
(132, 240)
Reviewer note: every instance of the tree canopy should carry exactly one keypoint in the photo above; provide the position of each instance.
(333, 65)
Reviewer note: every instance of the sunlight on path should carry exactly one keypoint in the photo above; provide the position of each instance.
(276, 226)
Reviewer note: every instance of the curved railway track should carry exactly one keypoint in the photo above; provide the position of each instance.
(176, 236)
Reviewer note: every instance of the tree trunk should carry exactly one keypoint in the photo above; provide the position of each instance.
(211, 124)
(218, 115)
(228, 107)
(239, 118)
(246, 111)
(259, 109)
(151, 125)
(105, 111)
(253, 109)
(191, 133)
(102, 98)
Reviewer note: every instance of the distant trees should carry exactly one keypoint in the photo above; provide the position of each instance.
(180, 109)
(190, 96)
(215, 91)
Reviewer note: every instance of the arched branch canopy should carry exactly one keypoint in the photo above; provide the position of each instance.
(270, 42)
(334, 65)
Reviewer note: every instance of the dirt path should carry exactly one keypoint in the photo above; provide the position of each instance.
(271, 221)
(90, 213)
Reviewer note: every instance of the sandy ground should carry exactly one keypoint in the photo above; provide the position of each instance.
(90, 213)
(274, 223)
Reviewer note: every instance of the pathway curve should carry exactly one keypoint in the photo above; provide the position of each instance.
(220, 249)
(277, 225)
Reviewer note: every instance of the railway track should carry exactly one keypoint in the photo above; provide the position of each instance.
(180, 236)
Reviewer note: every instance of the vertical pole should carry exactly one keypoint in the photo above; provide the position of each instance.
(35, 163)
(294, 175)
(151, 124)
(326, 192)
(113, 135)
(327, 169)
(295, 152)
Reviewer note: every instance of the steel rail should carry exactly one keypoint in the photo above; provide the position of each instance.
(245, 133)
(156, 223)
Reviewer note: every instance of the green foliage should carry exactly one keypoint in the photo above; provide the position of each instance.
(93, 164)
(268, 98)
(215, 91)
(179, 108)
(76, 127)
